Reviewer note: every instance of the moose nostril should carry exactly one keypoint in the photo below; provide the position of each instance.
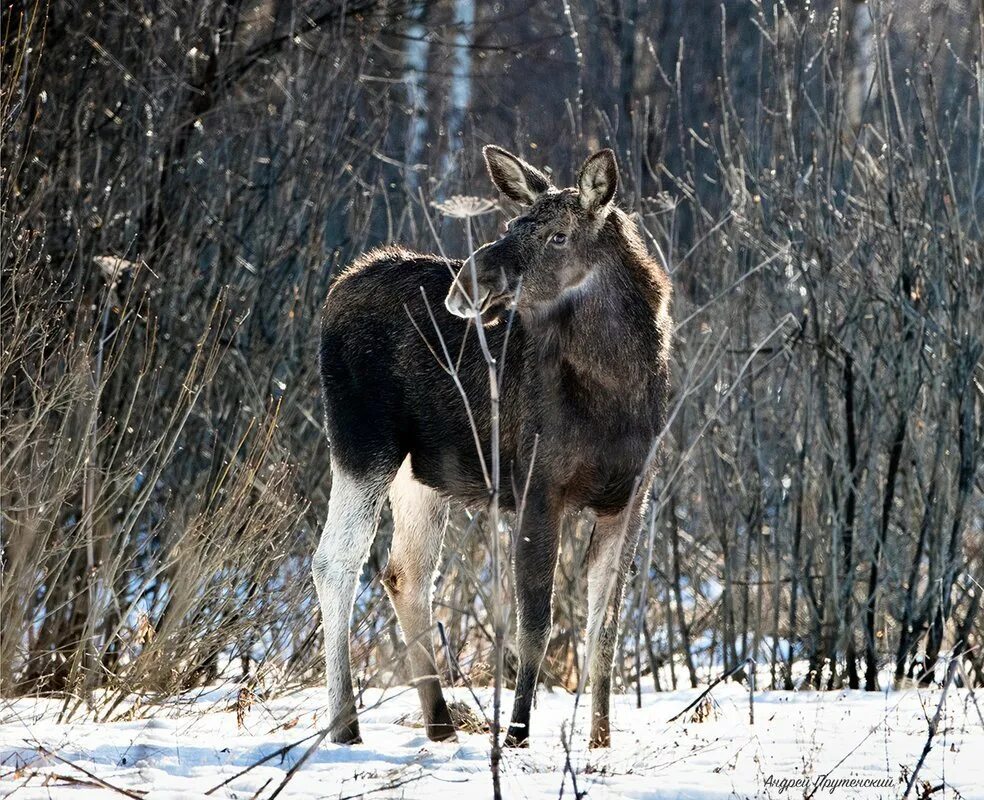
(457, 304)
(460, 304)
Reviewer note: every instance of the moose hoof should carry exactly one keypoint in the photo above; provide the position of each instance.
(441, 733)
(346, 734)
(600, 739)
(338, 738)
(517, 739)
(440, 721)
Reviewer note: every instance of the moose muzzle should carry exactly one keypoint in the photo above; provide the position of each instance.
(467, 296)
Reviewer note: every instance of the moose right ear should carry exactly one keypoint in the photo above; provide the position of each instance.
(516, 179)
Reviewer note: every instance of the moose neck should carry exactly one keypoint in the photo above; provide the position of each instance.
(596, 333)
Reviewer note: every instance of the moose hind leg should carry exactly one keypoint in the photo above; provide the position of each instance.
(609, 559)
(420, 516)
(353, 514)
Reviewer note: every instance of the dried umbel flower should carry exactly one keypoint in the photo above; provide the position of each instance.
(112, 267)
(463, 207)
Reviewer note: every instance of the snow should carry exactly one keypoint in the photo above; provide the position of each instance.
(190, 746)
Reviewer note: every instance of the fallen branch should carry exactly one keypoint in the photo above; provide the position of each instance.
(321, 736)
(57, 776)
(279, 752)
(136, 794)
(394, 784)
(707, 691)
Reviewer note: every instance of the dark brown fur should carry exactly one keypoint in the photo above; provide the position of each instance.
(584, 381)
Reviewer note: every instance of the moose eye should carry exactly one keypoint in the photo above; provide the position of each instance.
(558, 239)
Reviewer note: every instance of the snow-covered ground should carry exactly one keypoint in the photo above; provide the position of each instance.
(189, 747)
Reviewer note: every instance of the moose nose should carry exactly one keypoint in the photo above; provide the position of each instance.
(460, 304)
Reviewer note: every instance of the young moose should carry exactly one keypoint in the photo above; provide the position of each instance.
(582, 402)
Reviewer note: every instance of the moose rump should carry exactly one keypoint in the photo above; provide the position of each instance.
(398, 427)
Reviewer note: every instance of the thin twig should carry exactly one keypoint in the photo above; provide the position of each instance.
(279, 752)
(934, 725)
(707, 691)
(136, 794)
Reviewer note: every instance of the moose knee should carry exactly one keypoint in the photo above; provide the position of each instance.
(404, 584)
(411, 601)
(336, 561)
(328, 570)
(393, 580)
(531, 641)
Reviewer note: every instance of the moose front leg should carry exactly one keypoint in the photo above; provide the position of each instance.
(533, 567)
(610, 556)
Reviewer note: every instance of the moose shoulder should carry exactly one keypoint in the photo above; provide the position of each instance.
(582, 400)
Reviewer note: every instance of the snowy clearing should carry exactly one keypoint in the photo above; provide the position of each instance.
(189, 747)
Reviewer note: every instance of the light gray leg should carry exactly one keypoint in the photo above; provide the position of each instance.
(420, 516)
(353, 515)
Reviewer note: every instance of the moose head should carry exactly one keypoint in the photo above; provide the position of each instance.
(549, 252)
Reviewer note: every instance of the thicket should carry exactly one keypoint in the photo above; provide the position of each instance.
(182, 180)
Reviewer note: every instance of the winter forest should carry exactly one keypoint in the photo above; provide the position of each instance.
(183, 181)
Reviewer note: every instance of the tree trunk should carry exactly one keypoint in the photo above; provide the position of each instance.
(678, 594)
(870, 608)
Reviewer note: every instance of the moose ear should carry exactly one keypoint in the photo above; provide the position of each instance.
(516, 179)
(598, 181)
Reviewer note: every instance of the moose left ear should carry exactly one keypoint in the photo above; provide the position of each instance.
(598, 181)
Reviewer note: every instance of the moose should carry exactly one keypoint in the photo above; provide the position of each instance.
(583, 359)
